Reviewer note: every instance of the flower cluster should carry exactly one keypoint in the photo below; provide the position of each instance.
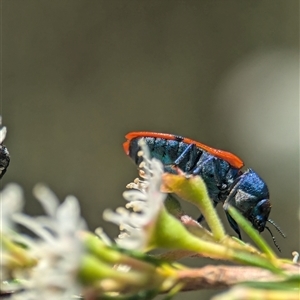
(61, 258)
(55, 248)
(145, 201)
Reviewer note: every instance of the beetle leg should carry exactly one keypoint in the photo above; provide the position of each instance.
(232, 223)
(234, 188)
(217, 169)
(189, 150)
(199, 166)
(231, 201)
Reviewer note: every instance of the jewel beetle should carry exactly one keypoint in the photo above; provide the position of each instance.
(221, 171)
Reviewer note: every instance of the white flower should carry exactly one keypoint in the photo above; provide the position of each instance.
(3, 131)
(58, 248)
(145, 203)
(11, 201)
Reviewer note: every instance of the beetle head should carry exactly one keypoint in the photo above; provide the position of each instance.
(260, 214)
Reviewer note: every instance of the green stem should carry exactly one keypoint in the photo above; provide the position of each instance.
(193, 189)
(251, 232)
(171, 234)
(20, 257)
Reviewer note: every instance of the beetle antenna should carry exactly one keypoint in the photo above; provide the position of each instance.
(273, 238)
(277, 227)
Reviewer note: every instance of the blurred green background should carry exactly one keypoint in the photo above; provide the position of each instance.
(78, 75)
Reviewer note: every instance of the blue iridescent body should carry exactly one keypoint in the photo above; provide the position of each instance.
(220, 170)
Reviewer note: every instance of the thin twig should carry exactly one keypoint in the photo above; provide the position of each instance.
(221, 276)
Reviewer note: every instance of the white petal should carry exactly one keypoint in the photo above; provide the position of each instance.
(47, 198)
(3, 132)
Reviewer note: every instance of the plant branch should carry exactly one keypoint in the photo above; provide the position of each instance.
(221, 276)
